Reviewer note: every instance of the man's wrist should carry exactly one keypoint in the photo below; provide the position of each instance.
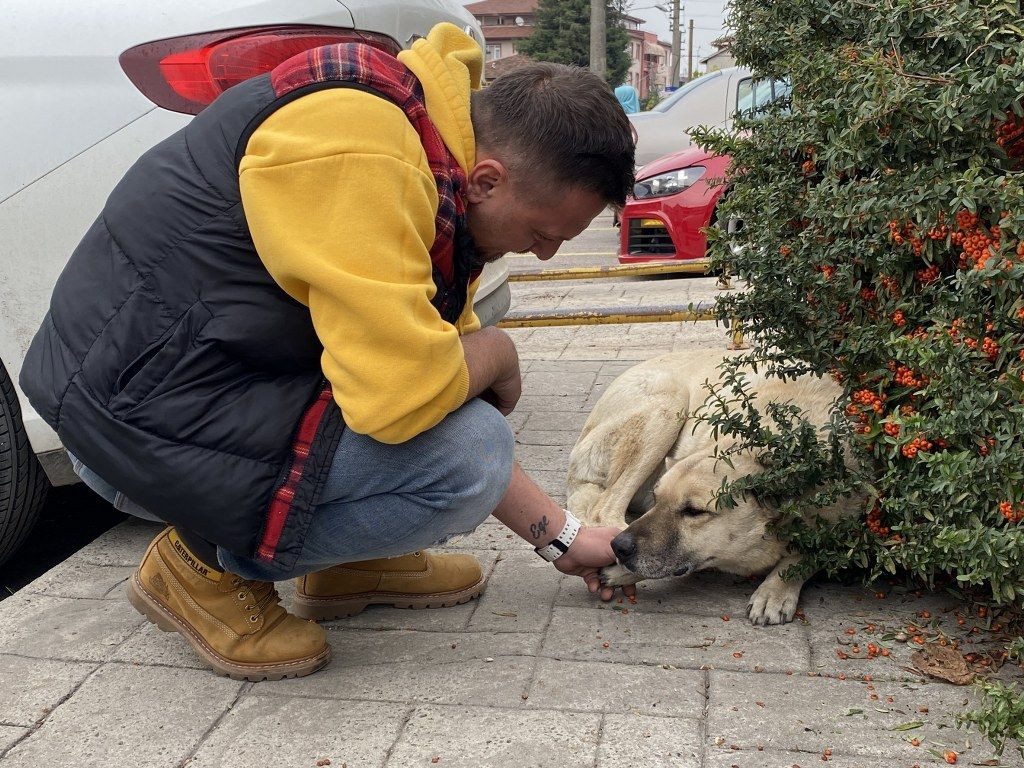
(561, 542)
(543, 531)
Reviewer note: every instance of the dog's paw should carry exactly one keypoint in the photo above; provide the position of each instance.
(774, 602)
(617, 576)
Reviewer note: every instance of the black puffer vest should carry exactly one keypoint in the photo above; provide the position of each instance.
(173, 365)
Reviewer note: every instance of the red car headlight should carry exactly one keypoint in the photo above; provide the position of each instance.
(668, 183)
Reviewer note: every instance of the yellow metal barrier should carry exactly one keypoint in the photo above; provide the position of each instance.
(612, 315)
(609, 315)
(698, 269)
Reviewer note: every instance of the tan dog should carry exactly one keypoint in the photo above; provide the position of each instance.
(642, 457)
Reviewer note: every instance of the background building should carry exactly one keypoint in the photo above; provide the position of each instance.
(721, 57)
(506, 22)
(651, 57)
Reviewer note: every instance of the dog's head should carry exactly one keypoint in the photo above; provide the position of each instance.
(683, 532)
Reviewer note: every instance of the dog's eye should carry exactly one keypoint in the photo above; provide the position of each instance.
(692, 512)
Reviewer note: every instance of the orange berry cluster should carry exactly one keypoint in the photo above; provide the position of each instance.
(898, 318)
(919, 333)
(928, 275)
(875, 522)
(808, 167)
(911, 449)
(904, 233)
(890, 284)
(892, 429)
(905, 378)
(978, 247)
(990, 348)
(1012, 513)
(866, 294)
(1009, 135)
(868, 398)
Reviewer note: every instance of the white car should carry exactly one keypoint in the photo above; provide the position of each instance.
(87, 88)
(711, 100)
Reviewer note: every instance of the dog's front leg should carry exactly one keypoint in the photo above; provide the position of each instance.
(618, 576)
(775, 601)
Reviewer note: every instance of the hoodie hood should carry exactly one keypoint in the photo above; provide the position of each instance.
(449, 64)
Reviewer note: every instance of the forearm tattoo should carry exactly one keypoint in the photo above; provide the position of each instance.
(539, 529)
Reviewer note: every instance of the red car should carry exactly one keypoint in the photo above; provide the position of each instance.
(673, 199)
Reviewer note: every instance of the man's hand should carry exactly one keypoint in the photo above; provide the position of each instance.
(493, 365)
(505, 393)
(591, 551)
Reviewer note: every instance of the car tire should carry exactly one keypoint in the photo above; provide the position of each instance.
(23, 483)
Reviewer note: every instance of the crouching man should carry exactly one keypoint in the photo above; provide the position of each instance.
(266, 340)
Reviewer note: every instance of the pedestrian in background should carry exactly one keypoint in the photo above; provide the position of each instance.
(628, 98)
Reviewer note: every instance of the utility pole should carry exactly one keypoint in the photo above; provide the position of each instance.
(677, 51)
(689, 54)
(598, 40)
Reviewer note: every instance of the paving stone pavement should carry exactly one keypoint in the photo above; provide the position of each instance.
(534, 673)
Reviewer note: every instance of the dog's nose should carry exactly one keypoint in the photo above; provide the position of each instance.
(624, 546)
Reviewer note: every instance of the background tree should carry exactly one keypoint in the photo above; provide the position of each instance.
(883, 245)
(562, 34)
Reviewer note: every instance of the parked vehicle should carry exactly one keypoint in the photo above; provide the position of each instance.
(79, 85)
(712, 100)
(676, 196)
(673, 199)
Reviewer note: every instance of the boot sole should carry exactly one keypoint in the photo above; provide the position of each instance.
(326, 609)
(150, 607)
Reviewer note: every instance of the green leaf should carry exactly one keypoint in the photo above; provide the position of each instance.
(907, 726)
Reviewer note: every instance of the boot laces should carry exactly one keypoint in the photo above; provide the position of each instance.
(262, 594)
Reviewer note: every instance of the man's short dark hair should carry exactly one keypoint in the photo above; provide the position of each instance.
(557, 124)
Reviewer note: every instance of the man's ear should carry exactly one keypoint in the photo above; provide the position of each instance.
(483, 178)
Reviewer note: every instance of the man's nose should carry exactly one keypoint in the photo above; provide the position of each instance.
(545, 251)
(624, 547)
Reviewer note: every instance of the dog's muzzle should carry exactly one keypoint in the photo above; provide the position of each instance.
(624, 547)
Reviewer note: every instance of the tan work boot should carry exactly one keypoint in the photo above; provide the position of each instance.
(234, 625)
(419, 580)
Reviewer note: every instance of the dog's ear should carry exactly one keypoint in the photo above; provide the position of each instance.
(767, 503)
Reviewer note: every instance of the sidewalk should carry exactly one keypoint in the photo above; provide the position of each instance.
(535, 673)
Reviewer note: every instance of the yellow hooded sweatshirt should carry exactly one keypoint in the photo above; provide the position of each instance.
(340, 203)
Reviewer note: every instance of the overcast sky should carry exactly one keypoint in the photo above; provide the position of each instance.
(708, 22)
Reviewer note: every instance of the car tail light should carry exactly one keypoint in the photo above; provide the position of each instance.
(184, 74)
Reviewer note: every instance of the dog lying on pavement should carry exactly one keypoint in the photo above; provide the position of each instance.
(643, 458)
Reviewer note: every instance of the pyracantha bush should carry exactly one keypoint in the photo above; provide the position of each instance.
(882, 203)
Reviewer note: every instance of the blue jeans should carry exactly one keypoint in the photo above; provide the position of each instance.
(383, 500)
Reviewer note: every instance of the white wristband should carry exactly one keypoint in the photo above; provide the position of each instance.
(560, 545)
